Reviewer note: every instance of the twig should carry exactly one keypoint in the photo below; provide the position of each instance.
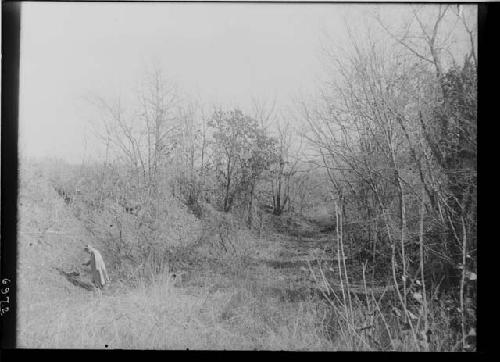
(462, 282)
(422, 208)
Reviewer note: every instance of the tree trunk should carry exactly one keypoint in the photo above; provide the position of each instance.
(250, 208)
(228, 185)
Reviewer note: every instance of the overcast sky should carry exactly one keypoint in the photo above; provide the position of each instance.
(222, 53)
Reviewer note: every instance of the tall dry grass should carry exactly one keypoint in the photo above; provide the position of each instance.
(156, 315)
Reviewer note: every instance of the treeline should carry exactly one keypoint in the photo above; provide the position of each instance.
(396, 130)
(235, 161)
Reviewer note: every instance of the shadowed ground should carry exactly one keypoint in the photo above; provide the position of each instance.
(75, 279)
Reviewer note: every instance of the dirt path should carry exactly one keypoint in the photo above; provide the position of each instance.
(310, 246)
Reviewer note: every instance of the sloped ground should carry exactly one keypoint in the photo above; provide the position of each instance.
(240, 303)
(56, 308)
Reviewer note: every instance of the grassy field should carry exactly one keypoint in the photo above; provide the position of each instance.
(241, 301)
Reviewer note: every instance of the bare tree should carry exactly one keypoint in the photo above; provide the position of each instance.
(286, 167)
(398, 118)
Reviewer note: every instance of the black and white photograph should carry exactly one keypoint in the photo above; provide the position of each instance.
(246, 176)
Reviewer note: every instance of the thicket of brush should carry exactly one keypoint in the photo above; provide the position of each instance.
(397, 133)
